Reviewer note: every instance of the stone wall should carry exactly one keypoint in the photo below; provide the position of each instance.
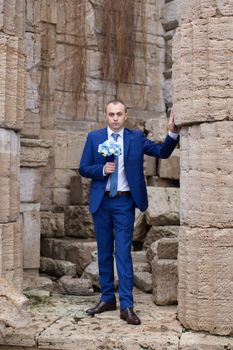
(202, 96)
(55, 114)
(54, 201)
(12, 98)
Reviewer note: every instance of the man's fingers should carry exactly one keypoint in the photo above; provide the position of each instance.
(171, 119)
(110, 167)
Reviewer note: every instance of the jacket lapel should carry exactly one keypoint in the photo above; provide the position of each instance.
(103, 135)
(127, 139)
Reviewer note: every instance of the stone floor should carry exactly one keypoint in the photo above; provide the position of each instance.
(61, 323)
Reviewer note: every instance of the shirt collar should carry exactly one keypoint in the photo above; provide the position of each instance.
(110, 132)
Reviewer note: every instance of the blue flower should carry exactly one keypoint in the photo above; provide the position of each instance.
(109, 148)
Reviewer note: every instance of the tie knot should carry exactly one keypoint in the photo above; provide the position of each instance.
(115, 136)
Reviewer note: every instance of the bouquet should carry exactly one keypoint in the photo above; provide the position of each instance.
(109, 148)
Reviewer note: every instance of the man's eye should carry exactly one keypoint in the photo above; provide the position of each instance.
(119, 114)
(111, 114)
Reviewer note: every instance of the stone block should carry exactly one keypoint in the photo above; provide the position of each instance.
(12, 308)
(170, 168)
(58, 268)
(36, 282)
(76, 286)
(165, 281)
(205, 279)
(67, 74)
(62, 178)
(31, 235)
(203, 341)
(132, 94)
(78, 222)
(32, 95)
(68, 149)
(139, 257)
(91, 272)
(32, 50)
(199, 62)
(141, 267)
(143, 281)
(157, 128)
(30, 188)
(11, 267)
(12, 17)
(77, 251)
(12, 88)
(61, 197)
(164, 248)
(52, 224)
(149, 166)
(68, 14)
(76, 190)
(156, 181)
(48, 11)
(48, 48)
(31, 125)
(9, 175)
(210, 8)
(163, 206)
(32, 12)
(171, 14)
(157, 232)
(34, 153)
(206, 193)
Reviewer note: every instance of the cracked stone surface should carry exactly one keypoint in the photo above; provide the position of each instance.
(62, 324)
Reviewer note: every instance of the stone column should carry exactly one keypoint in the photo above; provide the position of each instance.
(203, 100)
(12, 92)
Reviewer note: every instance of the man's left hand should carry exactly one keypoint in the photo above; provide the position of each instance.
(171, 124)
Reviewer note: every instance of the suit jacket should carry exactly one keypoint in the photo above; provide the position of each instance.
(135, 146)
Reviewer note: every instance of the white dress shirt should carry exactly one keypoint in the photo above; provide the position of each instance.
(122, 181)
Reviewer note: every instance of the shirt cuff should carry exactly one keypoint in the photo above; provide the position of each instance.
(104, 172)
(173, 135)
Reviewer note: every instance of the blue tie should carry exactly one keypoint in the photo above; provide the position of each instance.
(114, 176)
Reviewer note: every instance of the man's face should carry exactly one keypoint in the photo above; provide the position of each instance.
(116, 116)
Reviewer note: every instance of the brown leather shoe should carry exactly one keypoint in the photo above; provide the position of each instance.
(101, 307)
(129, 316)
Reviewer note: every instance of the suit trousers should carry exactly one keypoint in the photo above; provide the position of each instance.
(114, 223)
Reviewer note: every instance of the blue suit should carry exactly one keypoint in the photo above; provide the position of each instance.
(114, 217)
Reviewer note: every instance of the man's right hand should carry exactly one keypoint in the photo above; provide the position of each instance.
(109, 168)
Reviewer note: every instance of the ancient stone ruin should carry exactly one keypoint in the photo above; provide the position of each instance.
(61, 61)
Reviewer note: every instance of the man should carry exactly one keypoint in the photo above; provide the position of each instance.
(113, 210)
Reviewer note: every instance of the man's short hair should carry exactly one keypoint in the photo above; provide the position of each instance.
(116, 101)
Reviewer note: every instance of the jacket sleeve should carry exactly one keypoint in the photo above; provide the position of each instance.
(87, 167)
(163, 150)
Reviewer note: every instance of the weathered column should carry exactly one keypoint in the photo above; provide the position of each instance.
(12, 91)
(203, 99)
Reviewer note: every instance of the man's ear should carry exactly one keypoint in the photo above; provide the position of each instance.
(126, 116)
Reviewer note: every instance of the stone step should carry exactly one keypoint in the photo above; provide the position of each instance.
(57, 268)
(77, 251)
